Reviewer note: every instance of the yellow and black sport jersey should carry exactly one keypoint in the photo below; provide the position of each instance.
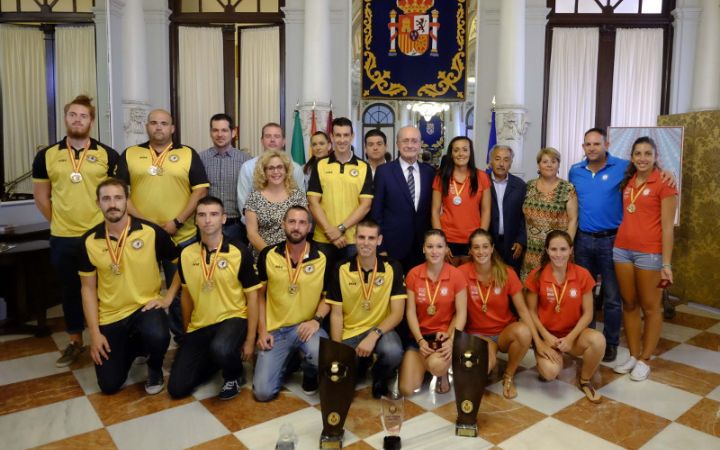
(139, 279)
(160, 198)
(341, 187)
(283, 308)
(345, 289)
(233, 276)
(74, 209)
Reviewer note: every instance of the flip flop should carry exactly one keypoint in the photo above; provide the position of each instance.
(589, 391)
(509, 390)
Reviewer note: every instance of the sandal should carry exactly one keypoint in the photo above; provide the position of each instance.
(589, 391)
(509, 390)
(444, 380)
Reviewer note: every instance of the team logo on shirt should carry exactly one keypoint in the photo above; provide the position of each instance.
(137, 244)
(646, 192)
(309, 268)
(91, 158)
(354, 173)
(605, 177)
(573, 293)
(497, 290)
(222, 263)
(443, 291)
(379, 281)
(173, 158)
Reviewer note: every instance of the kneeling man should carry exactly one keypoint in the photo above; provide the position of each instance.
(121, 291)
(367, 299)
(219, 307)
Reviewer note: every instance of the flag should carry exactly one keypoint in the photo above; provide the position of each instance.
(313, 124)
(492, 139)
(298, 146)
(328, 128)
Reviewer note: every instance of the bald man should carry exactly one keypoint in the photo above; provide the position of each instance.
(167, 179)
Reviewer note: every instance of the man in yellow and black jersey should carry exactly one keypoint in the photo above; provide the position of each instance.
(340, 194)
(367, 300)
(166, 179)
(291, 307)
(121, 291)
(65, 176)
(219, 304)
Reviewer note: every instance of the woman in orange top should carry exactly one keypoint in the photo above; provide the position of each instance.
(461, 196)
(643, 253)
(491, 284)
(561, 305)
(435, 307)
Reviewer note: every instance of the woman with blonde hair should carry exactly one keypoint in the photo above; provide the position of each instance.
(274, 192)
(550, 204)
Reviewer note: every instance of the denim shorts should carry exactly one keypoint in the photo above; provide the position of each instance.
(493, 337)
(644, 261)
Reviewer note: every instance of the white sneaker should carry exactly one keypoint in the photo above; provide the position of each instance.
(627, 366)
(640, 372)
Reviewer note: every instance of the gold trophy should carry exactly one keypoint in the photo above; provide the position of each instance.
(469, 363)
(337, 368)
(392, 418)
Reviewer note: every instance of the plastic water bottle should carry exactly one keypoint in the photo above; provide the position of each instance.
(287, 438)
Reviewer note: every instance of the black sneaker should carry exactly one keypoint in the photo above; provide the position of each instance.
(309, 384)
(610, 353)
(379, 388)
(230, 389)
(155, 381)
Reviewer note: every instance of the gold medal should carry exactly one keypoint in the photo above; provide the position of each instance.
(431, 310)
(484, 297)
(631, 208)
(158, 159)
(116, 252)
(633, 198)
(559, 299)
(209, 272)
(366, 305)
(366, 288)
(153, 170)
(115, 268)
(457, 201)
(484, 308)
(294, 274)
(76, 177)
(292, 289)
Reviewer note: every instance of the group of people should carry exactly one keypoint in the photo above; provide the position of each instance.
(262, 257)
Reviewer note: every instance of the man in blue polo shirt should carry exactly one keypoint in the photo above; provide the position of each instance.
(597, 183)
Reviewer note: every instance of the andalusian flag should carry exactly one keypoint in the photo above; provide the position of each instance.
(298, 146)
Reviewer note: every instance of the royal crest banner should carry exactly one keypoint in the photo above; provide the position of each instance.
(414, 49)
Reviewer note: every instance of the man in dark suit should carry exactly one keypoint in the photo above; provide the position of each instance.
(507, 222)
(403, 192)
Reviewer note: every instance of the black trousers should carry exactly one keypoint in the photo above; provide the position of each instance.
(206, 350)
(139, 334)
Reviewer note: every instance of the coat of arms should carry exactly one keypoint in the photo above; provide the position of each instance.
(415, 30)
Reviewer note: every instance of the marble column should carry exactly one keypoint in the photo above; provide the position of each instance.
(510, 110)
(135, 70)
(706, 83)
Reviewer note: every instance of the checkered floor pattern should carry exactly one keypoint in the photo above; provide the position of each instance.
(678, 407)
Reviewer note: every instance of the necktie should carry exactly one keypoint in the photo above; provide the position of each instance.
(411, 184)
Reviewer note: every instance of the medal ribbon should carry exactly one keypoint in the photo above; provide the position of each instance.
(208, 273)
(116, 253)
(159, 159)
(634, 197)
(462, 187)
(293, 275)
(558, 300)
(367, 292)
(432, 296)
(71, 155)
(484, 298)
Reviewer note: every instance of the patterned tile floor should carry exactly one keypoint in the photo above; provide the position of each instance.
(677, 408)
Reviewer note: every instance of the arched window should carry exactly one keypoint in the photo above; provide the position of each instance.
(470, 123)
(382, 117)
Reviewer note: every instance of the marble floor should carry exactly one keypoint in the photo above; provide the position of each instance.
(42, 406)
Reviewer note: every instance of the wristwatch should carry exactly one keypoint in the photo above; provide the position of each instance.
(342, 228)
(177, 223)
(377, 331)
(318, 319)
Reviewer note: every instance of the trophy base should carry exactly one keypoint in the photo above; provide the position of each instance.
(466, 430)
(392, 443)
(331, 441)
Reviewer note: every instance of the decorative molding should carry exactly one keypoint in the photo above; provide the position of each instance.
(134, 118)
(293, 15)
(157, 16)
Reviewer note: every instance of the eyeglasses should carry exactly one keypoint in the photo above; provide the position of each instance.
(279, 168)
(407, 141)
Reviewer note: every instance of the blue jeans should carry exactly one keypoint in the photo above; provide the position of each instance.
(65, 258)
(175, 311)
(596, 255)
(271, 365)
(389, 353)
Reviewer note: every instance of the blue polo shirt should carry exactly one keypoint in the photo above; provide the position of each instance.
(599, 196)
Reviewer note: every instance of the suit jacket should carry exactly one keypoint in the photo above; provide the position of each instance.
(513, 218)
(401, 225)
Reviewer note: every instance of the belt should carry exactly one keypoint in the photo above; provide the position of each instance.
(601, 234)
